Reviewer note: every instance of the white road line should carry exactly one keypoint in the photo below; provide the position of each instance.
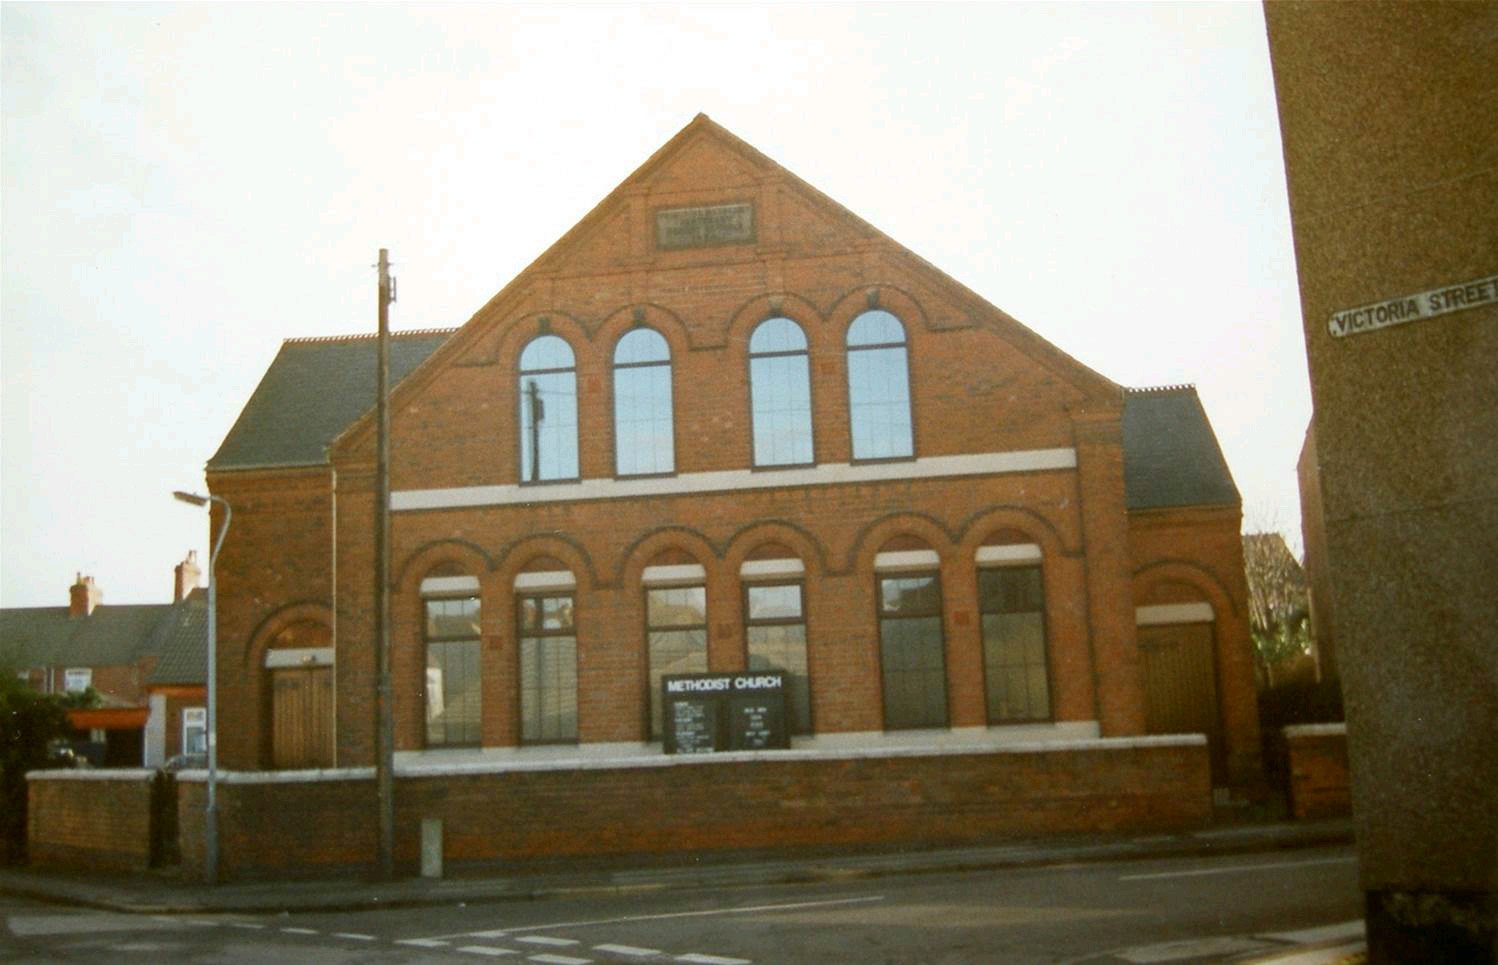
(547, 940)
(712, 960)
(299, 931)
(1326, 933)
(559, 960)
(495, 933)
(488, 950)
(202, 924)
(707, 913)
(424, 942)
(353, 936)
(1236, 869)
(251, 925)
(628, 950)
(169, 921)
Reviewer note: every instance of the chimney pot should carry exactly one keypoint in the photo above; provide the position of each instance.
(83, 596)
(185, 577)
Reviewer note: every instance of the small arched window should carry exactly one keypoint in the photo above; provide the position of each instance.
(780, 394)
(643, 438)
(879, 387)
(548, 411)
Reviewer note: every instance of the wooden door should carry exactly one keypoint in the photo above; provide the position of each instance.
(1180, 685)
(302, 717)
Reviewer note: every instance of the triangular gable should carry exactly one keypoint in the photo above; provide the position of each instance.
(609, 238)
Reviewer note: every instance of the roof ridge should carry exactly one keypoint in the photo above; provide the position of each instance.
(1161, 389)
(367, 336)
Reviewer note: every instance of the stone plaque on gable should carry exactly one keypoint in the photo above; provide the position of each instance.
(721, 224)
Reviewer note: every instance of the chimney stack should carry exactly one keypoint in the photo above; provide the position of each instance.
(186, 576)
(83, 596)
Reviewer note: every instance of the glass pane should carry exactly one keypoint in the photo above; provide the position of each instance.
(784, 648)
(781, 394)
(546, 352)
(453, 693)
(452, 618)
(556, 612)
(914, 672)
(643, 441)
(775, 602)
(910, 594)
(777, 335)
(548, 426)
(680, 606)
(879, 403)
(1014, 663)
(1011, 589)
(641, 345)
(673, 652)
(877, 327)
(548, 688)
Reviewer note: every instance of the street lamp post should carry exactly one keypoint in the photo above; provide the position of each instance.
(210, 813)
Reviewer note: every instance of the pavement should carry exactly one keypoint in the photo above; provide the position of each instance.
(165, 892)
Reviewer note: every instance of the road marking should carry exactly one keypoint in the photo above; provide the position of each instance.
(249, 925)
(712, 960)
(488, 950)
(423, 942)
(547, 940)
(299, 931)
(1236, 869)
(1198, 948)
(707, 913)
(559, 960)
(202, 924)
(353, 936)
(628, 950)
(1326, 933)
(496, 933)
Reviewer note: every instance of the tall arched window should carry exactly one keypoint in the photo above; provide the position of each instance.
(643, 442)
(879, 387)
(548, 411)
(780, 394)
(453, 689)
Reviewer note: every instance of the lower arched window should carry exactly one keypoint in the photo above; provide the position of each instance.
(451, 606)
(547, 633)
(1011, 600)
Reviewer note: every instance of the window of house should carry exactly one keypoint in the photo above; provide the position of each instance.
(879, 387)
(452, 671)
(1012, 602)
(780, 394)
(75, 680)
(676, 635)
(643, 438)
(548, 411)
(775, 625)
(911, 651)
(548, 668)
(194, 730)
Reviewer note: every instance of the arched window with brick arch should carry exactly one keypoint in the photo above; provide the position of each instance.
(548, 411)
(879, 387)
(644, 442)
(545, 614)
(774, 581)
(675, 587)
(1011, 602)
(780, 394)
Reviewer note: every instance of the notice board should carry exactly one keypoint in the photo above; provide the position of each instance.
(703, 713)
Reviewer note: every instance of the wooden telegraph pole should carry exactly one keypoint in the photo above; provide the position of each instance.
(384, 716)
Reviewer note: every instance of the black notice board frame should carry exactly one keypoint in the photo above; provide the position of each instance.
(703, 713)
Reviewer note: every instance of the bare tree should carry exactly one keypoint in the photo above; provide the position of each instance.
(1278, 601)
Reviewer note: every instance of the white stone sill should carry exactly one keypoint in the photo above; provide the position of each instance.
(1316, 730)
(94, 774)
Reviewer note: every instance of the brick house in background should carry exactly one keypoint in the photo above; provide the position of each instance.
(118, 651)
(724, 424)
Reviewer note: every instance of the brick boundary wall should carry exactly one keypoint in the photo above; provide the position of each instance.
(96, 820)
(309, 823)
(1319, 783)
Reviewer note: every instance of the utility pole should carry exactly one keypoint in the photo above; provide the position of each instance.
(384, 713)
(538, 411)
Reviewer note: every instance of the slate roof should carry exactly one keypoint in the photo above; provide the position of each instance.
(1171, 455)
(111, 636)
(184, 643)
(314, 389)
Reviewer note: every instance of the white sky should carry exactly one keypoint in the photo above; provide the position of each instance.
(186, 186)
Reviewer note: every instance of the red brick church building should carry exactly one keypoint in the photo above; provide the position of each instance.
(724, 424)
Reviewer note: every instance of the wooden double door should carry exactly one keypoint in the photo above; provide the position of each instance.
(301, 717)
(1180, 685)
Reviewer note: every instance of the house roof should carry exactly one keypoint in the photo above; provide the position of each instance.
(47, 636)
(314, 389)
(184, 643)
(1171, 455)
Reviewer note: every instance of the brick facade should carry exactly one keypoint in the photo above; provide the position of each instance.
(1320, 785)
(1034, 435)
(91, 820)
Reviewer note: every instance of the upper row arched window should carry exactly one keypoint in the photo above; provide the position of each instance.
(779, 399)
